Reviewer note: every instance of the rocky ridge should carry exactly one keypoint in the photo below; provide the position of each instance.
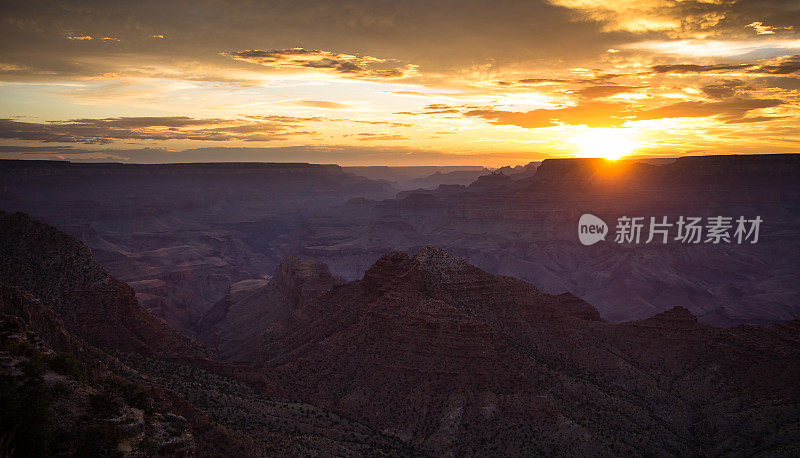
(451, 359)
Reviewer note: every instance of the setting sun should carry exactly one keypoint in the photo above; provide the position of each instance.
(608, 143)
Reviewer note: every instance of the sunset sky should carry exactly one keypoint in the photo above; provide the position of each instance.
(397, 83)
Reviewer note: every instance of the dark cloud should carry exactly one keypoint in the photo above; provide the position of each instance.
(103, 131)
(724, 89)
(43, 150)
(598, 78)
(343, 155)
(541, 80)
(440, 108)
(301, 120)
(142, 122)
(349, 65)
(750, 119)
(286, 119)
(694, 68)
(440, 36)
(789, 84)
(786, 65)
(730, 111)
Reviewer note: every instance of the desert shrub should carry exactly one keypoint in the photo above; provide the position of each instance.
(60, 390)
(25, 405)
(24, 348)
(105, 404)
(134, 394)
(146, 447)
(66, 364)
(95, 443)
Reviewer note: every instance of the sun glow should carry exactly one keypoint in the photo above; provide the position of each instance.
(608, 143)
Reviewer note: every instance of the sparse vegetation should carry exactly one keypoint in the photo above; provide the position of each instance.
(25, 403)
(66, 364)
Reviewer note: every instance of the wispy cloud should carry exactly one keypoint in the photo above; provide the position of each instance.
(617, 114)
(105, 131)
(596, 92)
(367, 136)
(322, 104)
(786, 65)
(315, 60)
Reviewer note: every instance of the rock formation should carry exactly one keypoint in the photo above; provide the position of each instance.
(451, 359)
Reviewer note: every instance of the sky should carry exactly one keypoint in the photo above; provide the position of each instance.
(448, 82)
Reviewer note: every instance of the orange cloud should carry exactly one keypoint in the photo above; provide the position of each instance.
(592, 114)
(695, 18)
(322, 104)
(762, 29)
(606, 114)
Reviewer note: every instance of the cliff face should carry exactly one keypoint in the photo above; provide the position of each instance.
(234, 326)
(300, 279)
(60, 271)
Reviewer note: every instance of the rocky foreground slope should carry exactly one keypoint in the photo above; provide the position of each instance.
(85, 371)
(59, 396)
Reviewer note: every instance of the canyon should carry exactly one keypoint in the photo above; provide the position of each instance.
(425, 354)
(183, 235)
